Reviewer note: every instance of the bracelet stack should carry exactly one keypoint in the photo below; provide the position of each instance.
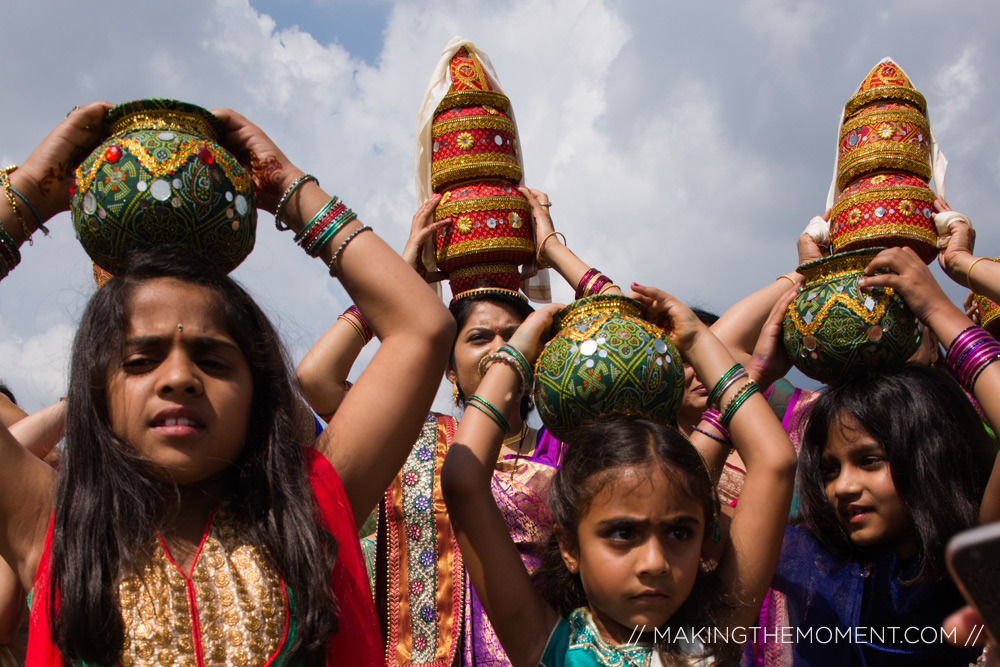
(8, 192)
(714, 419)
(279, 211)
(354, 317)
(510, 355)
(969, 355)
(728, 379)
(746, 390)
(593, 282)
(10, 256)
(490, 411)
(324, 226)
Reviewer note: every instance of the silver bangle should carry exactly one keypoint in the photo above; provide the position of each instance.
(336, 254)
(508, 359)
(283, 202)
(733, 380)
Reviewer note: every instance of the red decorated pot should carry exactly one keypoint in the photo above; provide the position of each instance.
(884, 137)
(886, 81)
(490, 226)
(472, 143)
(885, 210)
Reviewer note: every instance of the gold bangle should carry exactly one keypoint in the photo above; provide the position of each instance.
(541, 245)
(787, 277)
(606, 288)
(968, 274)
(5, 181)
(364, 341)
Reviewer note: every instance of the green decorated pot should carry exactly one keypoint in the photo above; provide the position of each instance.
(160, 178)
(606, 360)
(833, 330)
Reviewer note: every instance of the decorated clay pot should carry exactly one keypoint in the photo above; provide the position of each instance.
(160, 178)
(885, 210)
(606, 360)
(473, 143)
(886, 137)
(491, 224)
(833, 330)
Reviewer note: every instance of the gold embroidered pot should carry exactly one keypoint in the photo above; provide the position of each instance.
(163, 178)
(606, 360)
(833, 330)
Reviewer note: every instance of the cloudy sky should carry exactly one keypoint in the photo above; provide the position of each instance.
(684, 144)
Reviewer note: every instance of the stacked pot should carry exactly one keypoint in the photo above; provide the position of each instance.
(475, 168)
(833, 330)
(883, 168)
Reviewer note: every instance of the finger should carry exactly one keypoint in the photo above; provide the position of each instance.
(940, 205)
(893, 259)
(424, 233)
(826, 215)
(781, 305)
(652, 292)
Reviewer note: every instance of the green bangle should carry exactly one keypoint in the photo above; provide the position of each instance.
(316, 218)
(490, 411)
(518, 357)
(720, 387)
(748, 389)
(330, 231)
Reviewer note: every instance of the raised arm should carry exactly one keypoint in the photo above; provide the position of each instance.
(979, 274)
(740, 326)
(323, 371)
(747, 563)
(552, 249)
(911, 278)
(519, 615)
(39, 189)
(371, 433)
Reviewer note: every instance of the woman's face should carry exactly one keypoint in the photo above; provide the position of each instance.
(695, 397)
(181, 392)
(489, 326)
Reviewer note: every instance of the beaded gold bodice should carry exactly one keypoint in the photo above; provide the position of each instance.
(230, 609)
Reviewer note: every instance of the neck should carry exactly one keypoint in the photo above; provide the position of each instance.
(183, 532)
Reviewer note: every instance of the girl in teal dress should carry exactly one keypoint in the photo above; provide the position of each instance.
(627, 580)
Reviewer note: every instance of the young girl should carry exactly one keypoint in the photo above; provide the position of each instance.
(190, 522)
(892, 465)
(633, 507)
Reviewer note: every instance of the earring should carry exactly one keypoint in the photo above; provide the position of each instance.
(455, 391)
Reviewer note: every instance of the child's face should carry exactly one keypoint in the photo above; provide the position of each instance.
(181, 393)
(859, 486)
(637, 553)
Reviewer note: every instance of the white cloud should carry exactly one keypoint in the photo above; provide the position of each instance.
(683, 145)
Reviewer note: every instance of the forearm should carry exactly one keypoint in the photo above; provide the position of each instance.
(322, 372)
(979, 274)
(739, 327)
(40, 431)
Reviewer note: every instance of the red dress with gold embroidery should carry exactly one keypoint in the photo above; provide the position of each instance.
(232, 607)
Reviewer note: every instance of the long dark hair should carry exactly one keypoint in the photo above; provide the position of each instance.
(461, 309)
(938, 451)
(109, 500)
(593, 455)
